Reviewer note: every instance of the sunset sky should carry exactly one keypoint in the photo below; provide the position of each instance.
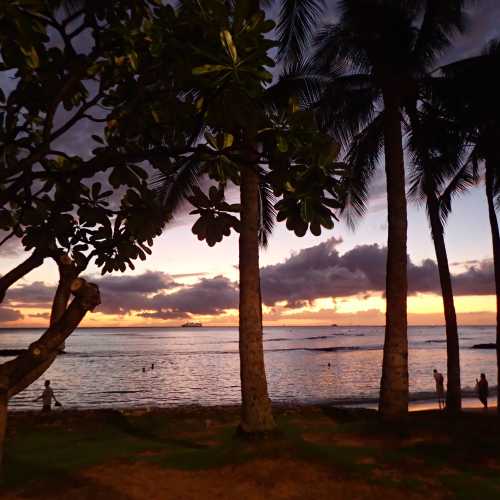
(338, 277)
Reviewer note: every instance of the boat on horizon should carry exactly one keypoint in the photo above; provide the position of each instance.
(192, 324)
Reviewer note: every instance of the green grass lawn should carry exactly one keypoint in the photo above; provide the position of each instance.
(458, 456)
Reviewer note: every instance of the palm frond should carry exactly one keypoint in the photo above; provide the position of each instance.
(267, 212)
(362, 161)
(464, 179)
(347, 105)
(297, 22)
(441, 21)
(338, 47)
(175, 184)
(296, 80)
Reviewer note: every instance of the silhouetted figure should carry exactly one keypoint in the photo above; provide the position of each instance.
(329, 365)
(143, 370)
(47, 397)
(438, 377)
(152, 366)
(482, 390)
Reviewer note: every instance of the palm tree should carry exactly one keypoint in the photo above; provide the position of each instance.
(371, 63)
(437, 148)
(472, 100)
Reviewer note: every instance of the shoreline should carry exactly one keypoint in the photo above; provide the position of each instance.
(469, 405)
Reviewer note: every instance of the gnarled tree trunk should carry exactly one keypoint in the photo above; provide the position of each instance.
(68, 272)
(394, 384)
(495, 238)
(256, 414)
(454, 392)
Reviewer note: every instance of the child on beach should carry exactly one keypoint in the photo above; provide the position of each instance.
(47, 396)
(438, 377)
(482, 390)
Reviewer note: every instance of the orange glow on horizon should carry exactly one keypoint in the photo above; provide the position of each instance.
(423, 309)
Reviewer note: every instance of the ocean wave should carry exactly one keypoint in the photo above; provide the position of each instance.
(350, 348)
(170, 354)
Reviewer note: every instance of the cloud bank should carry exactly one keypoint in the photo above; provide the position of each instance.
(317, 272)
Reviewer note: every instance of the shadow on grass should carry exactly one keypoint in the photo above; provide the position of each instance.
(396, 455)
(57, 451)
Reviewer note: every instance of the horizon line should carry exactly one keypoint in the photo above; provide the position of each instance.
(236, 326)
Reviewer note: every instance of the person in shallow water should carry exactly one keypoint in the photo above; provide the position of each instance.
(438, 377)
(482, 389)
(47, 397)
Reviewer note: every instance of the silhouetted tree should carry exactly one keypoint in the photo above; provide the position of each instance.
(51, 199)
(369, 64)
(438, 174)
(472, 100)
(245, 136)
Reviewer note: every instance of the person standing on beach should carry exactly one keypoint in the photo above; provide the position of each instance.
(482, 390)
(438, 377)
(47, 396)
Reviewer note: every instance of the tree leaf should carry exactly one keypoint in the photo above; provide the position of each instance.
(209, 68)
(227, 42)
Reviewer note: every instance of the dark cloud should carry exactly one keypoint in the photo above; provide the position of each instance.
(476, 280)
(208, 296)
(315, 272)
(164, 314)
(36, 294)
(123, 294)
(145, 294)
(320, 271)
(148, 282)
(7, 315)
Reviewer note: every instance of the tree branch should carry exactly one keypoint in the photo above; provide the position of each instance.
(33, 261)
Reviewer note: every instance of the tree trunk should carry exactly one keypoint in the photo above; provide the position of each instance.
(454, 393)
(495, 237)
(67, 274)
(394, 384)
(33, 261)
(256, 414)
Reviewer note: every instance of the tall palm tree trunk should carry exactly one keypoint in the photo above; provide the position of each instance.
(453, 394)
(256, 414)
(394, 384)
(495, 237)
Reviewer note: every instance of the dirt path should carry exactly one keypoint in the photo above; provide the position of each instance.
(256, 480)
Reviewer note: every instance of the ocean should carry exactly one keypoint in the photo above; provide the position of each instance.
(103, 367)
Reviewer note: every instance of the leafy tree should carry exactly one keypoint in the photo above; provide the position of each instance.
(75, 208)
(370, 65)
(242, 135)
